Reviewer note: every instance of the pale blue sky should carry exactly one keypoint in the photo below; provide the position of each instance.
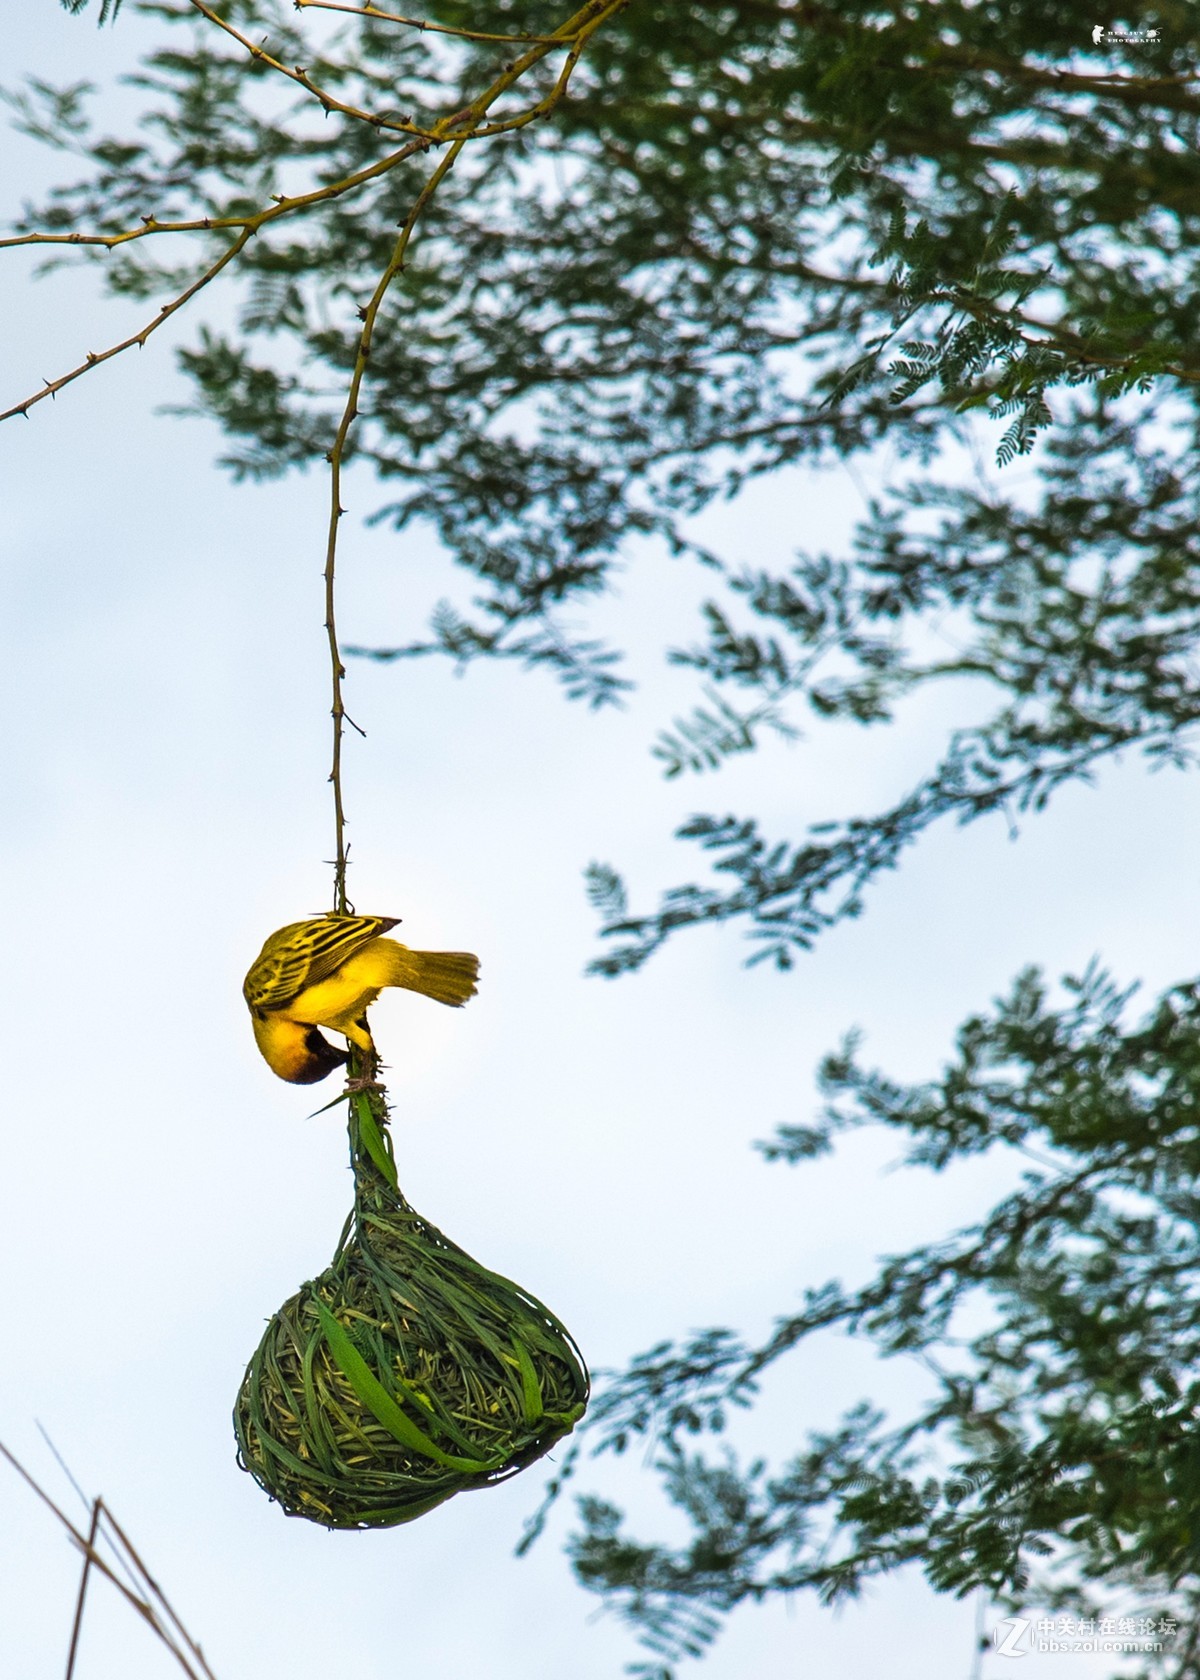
(164, 765)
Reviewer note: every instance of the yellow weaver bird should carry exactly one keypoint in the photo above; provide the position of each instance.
(326, 972)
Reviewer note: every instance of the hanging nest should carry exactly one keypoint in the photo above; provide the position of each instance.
(404, 1374)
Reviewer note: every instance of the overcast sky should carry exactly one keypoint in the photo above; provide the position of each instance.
(165, 756)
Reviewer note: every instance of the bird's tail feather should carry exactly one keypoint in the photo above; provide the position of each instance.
(446, 976)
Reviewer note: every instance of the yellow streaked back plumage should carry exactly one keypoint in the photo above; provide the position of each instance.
(303, 953)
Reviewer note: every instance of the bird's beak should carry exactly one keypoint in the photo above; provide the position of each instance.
(322, 1058)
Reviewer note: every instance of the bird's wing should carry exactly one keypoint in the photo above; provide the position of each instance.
(304, 953)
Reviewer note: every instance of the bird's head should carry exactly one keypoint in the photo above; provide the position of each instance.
(298, 1053)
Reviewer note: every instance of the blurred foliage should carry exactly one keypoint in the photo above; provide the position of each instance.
(1056, 1459)
(761, 238)
(758, 236)
(107, 13)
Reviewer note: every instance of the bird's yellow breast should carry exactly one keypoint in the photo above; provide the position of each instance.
(340, 1000)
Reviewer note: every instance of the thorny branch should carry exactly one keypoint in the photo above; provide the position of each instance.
(456, 131)
(423, 24)
(467, 125)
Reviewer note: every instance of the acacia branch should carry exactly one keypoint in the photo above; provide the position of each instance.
(457, 131)
(463, 125)
(466, 125)
(422, 24)
(93, 359)
(1057, 336)
(301, 77)
(249, 226)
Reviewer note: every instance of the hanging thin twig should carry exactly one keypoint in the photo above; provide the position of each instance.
(464, 126)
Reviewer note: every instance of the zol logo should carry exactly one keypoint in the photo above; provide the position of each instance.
(1007, 1637)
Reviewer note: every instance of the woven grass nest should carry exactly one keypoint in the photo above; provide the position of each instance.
(405, 1373)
